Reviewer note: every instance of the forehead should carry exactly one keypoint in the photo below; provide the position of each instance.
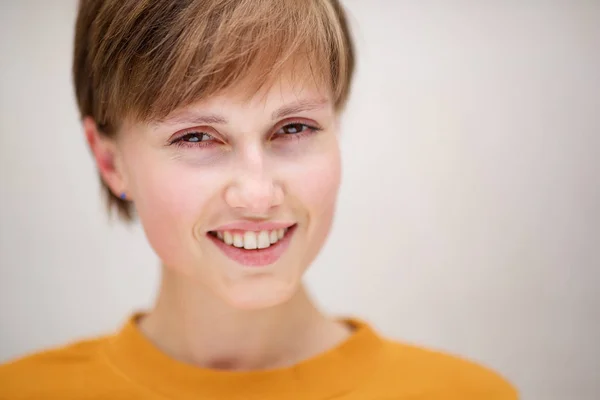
(288, 93)
(284, 89)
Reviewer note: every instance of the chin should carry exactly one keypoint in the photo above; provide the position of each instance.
(260, 292)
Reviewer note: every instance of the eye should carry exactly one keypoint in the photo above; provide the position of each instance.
(294, 128)
(194, 139)
(295, 131)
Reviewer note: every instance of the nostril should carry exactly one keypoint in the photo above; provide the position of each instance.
(254, 194)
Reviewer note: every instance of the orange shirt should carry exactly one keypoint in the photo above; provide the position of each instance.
(364, 367)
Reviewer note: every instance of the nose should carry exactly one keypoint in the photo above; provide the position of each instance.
(253, 188)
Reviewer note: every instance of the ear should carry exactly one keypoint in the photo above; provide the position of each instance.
(104, 150)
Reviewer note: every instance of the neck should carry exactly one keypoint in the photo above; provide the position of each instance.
(193, 325)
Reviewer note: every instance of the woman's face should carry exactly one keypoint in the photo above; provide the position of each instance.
(229, 170)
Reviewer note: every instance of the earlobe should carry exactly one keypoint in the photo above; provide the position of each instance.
(105, 154)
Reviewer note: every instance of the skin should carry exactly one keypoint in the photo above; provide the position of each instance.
(188, 175)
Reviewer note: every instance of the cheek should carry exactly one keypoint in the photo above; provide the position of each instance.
(320, 187)
(169, 198)
(320, 182)
(316, 183)
(163, 189)
(315, 188)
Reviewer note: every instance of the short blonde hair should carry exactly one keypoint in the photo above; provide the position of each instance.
(143, 59)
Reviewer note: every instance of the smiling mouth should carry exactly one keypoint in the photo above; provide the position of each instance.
(250, 240)
(253, 249)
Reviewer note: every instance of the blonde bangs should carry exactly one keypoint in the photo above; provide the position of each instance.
(176, 55)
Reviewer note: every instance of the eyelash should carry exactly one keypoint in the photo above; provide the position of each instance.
(180, 142)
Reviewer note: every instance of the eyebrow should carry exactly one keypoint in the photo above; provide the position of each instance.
(188, 116)
(303, 105)
(192, 117)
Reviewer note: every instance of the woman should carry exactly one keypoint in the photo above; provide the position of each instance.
(218, 121)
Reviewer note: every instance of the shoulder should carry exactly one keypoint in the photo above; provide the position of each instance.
(58, 371)
(447, 375)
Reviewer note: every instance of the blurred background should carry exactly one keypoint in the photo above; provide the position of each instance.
(469, 216)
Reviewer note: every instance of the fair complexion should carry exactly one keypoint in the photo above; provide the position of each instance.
(222, 164)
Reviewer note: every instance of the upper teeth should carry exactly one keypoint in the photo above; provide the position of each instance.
(252, 240)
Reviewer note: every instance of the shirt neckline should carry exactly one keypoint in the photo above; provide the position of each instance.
(334, 372)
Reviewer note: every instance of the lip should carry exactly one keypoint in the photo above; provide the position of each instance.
(257, 257)
(254, 226)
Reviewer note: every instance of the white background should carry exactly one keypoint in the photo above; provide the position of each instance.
(469, 214)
